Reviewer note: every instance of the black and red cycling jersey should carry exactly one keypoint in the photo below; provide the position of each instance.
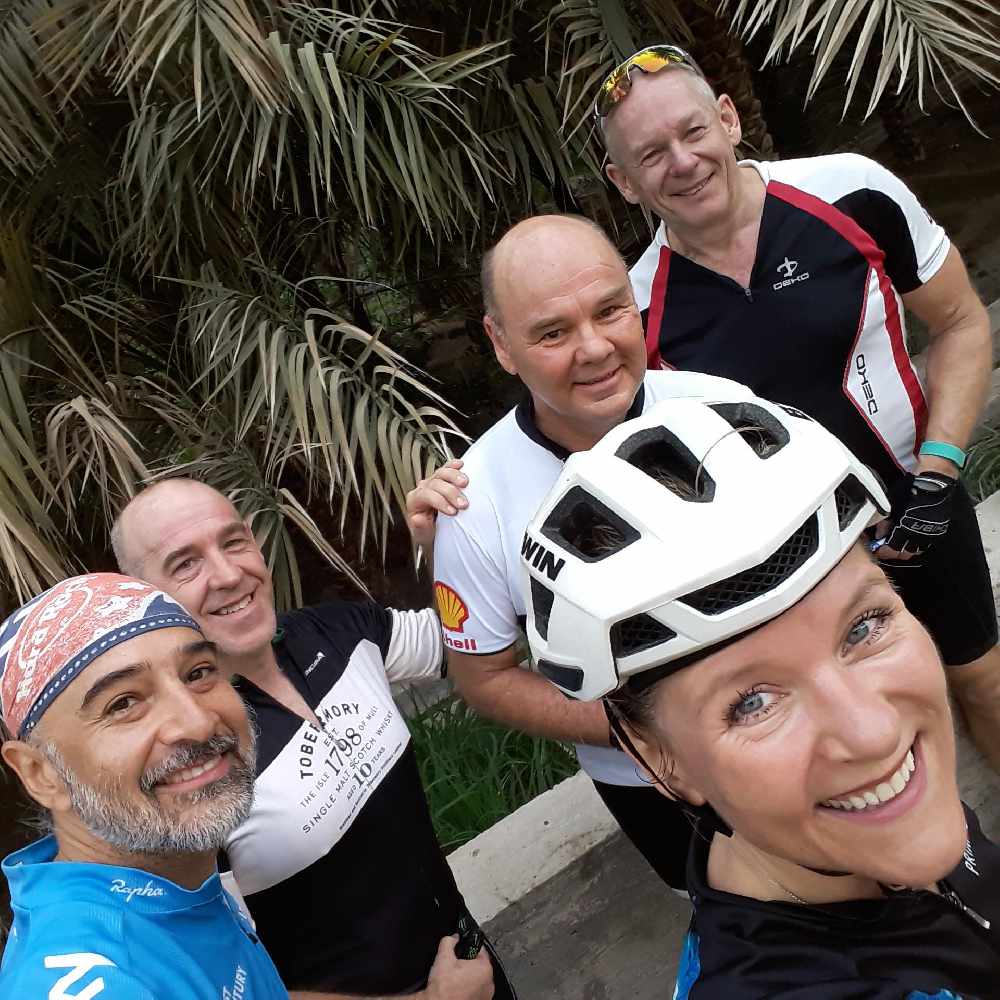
(821, 324)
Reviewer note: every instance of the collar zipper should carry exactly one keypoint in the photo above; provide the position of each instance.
(953, 898)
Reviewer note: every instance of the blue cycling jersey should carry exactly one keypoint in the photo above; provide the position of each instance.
(98, 932)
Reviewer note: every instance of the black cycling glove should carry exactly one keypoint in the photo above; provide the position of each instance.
(470, 939)
(921, 512)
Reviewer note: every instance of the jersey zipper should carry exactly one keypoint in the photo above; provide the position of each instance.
(953, 898)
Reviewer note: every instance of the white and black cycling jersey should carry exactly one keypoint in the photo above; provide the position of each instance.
(338, 863)
(477, 553)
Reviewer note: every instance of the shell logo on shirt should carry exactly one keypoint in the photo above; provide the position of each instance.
(451, 607)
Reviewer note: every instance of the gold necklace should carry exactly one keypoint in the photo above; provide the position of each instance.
(759, 865)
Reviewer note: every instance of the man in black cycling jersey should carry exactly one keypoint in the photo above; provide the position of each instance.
(716, 589)
(338, 861)
(792, 277)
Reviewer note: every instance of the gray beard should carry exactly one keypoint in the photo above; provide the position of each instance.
(141, 825)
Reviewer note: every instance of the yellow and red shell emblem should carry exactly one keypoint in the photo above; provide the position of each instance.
(451, 607)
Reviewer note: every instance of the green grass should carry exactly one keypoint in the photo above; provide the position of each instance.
(475, 771)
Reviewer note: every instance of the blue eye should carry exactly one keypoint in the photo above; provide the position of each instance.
(868, 627)
(751, 703)
(750, 706)
(859, 632)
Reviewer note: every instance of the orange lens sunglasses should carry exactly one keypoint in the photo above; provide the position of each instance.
(652, 59)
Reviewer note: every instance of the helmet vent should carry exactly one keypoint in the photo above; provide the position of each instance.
(541, 605)
(765, 434)
(665, 458)
(632, 635)
(586, 527)
(850, 497)
(742, 587)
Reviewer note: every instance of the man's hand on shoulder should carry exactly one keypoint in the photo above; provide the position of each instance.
(441, 493)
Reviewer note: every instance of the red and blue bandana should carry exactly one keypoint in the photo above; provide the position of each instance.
(48, 642)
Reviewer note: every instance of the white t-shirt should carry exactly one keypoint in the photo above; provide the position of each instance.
(477, 553)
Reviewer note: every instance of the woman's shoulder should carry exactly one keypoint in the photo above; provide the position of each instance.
(756, 952)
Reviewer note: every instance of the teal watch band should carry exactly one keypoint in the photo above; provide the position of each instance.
(941, 449)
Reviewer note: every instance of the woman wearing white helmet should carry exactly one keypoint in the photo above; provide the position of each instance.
(705, 570)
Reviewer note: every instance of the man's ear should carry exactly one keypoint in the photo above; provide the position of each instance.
(40, 779)
(499, 342)
(660, 768)
(618, 177)
(730, 119)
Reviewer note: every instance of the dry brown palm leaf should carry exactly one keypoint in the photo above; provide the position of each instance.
(29, 126)
(318, 392)
(89, 445)
(32, 554)
(381, 116)
(136, 40)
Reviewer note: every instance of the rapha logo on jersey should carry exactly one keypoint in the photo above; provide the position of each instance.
(239, 986)
(866, 387)
(80, 965)
(789, 269)
(451, 607)
(541, 558)
(120, 886)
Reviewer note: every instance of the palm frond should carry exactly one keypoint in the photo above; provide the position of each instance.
(374, 116)
(381, 116)
(32, 553)
(90, 446)
(137, 42)
(29, 126)
(593, 37)
(928, 41)
(271, 523)
(338, 402)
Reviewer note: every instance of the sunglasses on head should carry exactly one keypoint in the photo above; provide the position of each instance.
(652, 59)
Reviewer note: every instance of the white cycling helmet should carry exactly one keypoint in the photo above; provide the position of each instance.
(624, 574)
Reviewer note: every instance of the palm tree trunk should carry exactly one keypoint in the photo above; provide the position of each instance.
(723, 59)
